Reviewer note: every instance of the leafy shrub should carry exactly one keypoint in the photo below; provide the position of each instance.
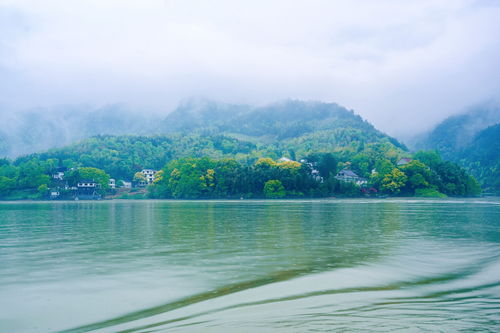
(429, 193)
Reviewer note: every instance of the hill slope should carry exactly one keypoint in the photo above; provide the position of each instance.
(38, 130)
(292, 129)
(457, 132)
(472, 140)
(482, 158)
(278, 123)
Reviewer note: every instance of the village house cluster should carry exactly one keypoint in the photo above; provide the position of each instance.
(90, 189)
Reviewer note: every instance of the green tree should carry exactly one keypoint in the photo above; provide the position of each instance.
(419, 176)
(394, 181)
(43, 190)
(382, 168)
(6, 185)
(273, 189)
(139, 177)
(429, 157)
(88, 173)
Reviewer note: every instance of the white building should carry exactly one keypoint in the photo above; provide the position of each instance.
(86, 184)
(350, 176)
(59, 173)
(112, 183)
(284, 159)
(126, 184)
(149, 174)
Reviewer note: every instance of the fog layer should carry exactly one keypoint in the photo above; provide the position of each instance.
(402, 65)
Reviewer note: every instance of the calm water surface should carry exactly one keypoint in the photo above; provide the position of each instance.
(250, 266)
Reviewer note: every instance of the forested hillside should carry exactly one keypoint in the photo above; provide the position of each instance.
(283, 123)
(482, 158)
(472, 140)
(289, 149)
(38, 130)
(455, 133)
(212, 150)
(289, 129)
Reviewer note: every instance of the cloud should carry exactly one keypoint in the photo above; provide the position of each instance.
(401, 65)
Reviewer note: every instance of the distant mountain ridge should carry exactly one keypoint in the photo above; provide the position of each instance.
(280, 123)
(38, 130)
(457, 132)
(288, 122)
(471, 139)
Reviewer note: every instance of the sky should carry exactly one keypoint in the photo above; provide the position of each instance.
(402, 65)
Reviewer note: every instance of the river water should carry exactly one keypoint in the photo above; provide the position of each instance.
(250, 266)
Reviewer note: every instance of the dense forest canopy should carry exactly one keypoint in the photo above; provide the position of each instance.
(472, 140)
(34, 131)
(213, 150)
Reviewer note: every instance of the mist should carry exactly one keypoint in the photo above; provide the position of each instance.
(403, 66)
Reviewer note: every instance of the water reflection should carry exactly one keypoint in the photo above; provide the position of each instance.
(248, 266)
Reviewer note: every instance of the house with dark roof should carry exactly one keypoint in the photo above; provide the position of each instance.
(350, 176)
(88, 190)
(404, 161)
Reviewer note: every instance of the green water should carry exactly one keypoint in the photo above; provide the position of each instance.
(250, 266)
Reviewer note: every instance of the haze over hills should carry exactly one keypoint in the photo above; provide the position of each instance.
(457, 132)
(471, 139)
(38, 130)
(203, 145)
(201, 128)
(286, 121)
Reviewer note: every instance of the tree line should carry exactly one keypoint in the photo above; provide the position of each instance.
(240, 175)
(205, 178)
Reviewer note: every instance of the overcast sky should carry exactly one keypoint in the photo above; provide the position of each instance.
(403, 65)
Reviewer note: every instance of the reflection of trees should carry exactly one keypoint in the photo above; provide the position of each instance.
(254, 237)
(237, 240)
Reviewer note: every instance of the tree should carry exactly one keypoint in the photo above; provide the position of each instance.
(32, 174)
(6, 185)
(455, 181)
(95, 174)
(419, 176)
(273, 189)
(139, 177)
(382, 168)
(430, 157)
(43, 190)
(325, 163)
(394, 181)
(188, 178)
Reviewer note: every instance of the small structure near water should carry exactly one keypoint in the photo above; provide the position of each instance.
(87, 190)
(350, 176)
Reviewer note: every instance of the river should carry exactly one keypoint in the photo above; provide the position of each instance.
(250, 266)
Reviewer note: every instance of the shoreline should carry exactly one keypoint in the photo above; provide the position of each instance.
(330, 199)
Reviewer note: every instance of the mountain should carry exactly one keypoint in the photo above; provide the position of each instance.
(216, 150)
(482, 158)
(287, 122)
(457, 132)
(292, 129)
(328, 124)
(37, 130)
(472, 140)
